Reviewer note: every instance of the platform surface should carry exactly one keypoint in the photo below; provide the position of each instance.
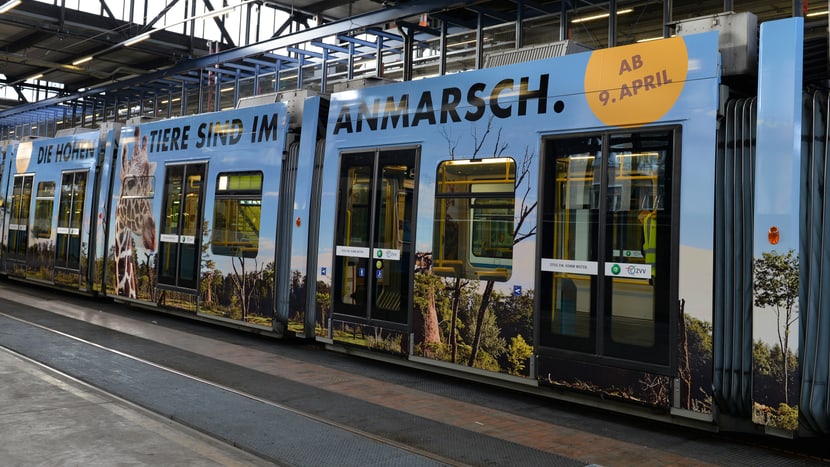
(49, 419)
(142, 388)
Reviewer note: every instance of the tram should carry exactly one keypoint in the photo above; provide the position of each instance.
(627, 227)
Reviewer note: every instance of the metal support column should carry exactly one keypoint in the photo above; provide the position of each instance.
(379, 58)
(277, 74)
(479, 41)
(183, 110)
(236, 86)
(408, 35)
(442, 52)
(300, 65)
(257, 72)
(217, 94)
(249, 8)
(519, 20)
(324, 71)
(200, 107)
(350, 66)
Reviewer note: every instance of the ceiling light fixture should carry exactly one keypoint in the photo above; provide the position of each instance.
(135, 40)
(817, 13)
(35, 77)
(9, 5)
(649, 39)
(585, 19)
(82, 60)
(210, 14)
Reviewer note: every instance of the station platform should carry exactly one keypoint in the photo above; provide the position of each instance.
(92, 382)
(48, 418)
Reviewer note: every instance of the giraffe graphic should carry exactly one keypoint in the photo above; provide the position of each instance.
(133, 214)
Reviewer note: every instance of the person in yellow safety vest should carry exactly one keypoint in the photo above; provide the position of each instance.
(649, 221)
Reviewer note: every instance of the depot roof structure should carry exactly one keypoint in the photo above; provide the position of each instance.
(63, 67)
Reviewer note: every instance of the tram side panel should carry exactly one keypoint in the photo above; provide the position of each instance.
(498, 219)
(193, 222)
(304, 219)
(100, 207)
(788, 331)
(7, 150)
(50, 200)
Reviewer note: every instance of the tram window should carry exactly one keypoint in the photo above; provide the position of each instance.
(236, 214)
(474, 221)
(44, 203)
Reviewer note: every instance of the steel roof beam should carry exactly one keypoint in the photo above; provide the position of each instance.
(239, 66)
(159, 16)
(493, 14)
(304, 52)
(315, 9)
(106, 9)
(282, 28)
(415, 27)
(48, 15)
(469, 25)
(220, 24)
(544, 9)
(189, 79)
(358, 41)
(282, 58)
(28, 40)
(326, 30)
(19, 92)
(385, 34)
(330, 47)
(261, 63)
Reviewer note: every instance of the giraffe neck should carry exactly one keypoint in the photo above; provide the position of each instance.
(124, 263)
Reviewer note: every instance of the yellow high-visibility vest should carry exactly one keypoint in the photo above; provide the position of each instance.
(650, 240)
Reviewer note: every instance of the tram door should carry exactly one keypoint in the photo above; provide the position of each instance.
(70, 217)
(21, 202)
(180, 240)
(606, 239)
(373, 264)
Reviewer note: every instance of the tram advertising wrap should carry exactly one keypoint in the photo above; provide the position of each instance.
(194, 213)
(51, 186)
(587, 227)
(454, 184)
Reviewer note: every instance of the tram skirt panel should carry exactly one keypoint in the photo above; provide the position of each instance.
(732, 330)
(814, 284)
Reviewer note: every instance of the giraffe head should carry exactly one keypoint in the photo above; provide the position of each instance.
(136, 188)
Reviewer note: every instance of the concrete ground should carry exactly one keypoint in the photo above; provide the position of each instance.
(291, 403)
(47, 418)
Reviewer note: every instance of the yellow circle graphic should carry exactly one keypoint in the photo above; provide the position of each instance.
(23, 156)
(636, 84)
